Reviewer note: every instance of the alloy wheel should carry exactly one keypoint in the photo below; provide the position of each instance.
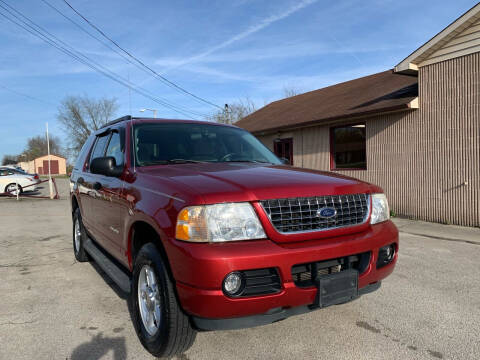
(77, 235)
(149, 300)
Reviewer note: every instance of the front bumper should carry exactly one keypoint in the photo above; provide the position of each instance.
(270, 317)
(199, 270)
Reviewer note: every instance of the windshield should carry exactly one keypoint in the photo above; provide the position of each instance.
(171, 143)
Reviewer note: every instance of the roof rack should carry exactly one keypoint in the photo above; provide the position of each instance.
(123, 118)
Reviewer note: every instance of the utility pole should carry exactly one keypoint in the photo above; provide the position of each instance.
(228, 120)
(49, 171)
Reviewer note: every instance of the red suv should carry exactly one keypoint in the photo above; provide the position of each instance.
(206, 229)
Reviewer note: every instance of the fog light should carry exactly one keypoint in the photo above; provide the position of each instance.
(385, 255)
(233, 283)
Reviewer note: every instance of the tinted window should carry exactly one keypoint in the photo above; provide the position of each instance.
(349, 147)
(83, 153)
(170, 142)
(115, 148)
(99, 149)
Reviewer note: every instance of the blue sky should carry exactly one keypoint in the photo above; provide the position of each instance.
(219, 50)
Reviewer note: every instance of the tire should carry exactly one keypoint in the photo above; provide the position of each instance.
(79, 237)
(13, 192)
(174, 334)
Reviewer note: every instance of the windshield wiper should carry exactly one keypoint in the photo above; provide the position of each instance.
(170, 161)
(183, 161)
(155, 162)
(251, 161)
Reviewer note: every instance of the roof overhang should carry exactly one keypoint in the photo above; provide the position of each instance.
(412, 105)
(411, 63)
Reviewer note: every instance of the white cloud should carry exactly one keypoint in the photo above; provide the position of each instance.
(249, 31)
(285, 51)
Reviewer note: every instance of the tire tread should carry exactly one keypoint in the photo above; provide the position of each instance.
(181, 334)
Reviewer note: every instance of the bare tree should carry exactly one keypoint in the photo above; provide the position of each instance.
(37, 146)
(289, 91)
(9, 160)
(82, 115)
(234, 112)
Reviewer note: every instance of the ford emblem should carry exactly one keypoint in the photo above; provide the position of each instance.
(326, 212)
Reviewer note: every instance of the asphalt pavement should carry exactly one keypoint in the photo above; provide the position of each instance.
(52, 307)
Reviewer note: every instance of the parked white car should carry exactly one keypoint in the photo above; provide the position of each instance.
(11, 181)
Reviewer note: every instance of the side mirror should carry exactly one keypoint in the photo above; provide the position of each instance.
(106, 166)
(285, 161)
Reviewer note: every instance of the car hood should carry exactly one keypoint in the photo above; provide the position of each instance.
(233, 182)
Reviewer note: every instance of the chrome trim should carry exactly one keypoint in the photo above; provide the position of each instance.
(365, 219)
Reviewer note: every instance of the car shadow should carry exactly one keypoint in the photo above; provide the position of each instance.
(31, 193)
(99, 346)
(120, 293)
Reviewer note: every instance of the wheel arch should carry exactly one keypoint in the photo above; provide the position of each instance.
(74, 204)
(141, 233)
(13, 183)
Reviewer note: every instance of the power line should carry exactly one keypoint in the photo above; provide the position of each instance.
(157, 75)
(69, 50)
(93, 36)
(46, 36)
(69, 53)
(25, 95)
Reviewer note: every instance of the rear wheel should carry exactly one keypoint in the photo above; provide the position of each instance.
(79, 237)
(13, 189)
(161, 325)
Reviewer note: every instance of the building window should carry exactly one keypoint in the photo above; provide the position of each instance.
(283, 148)
(348, 149)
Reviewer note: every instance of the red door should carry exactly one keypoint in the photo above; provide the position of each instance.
(53, 167)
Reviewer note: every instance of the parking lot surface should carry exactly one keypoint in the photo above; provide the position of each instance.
(55, 308)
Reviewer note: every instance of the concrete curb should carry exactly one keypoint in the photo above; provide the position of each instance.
(438, 231)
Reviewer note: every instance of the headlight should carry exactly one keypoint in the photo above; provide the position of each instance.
(218, 223)
(380, 210)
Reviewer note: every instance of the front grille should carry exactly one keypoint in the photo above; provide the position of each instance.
(302, 214)
(304, 275)
(260, 282)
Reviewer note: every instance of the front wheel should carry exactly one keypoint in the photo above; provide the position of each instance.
(161, 325)
(79, 237)
(13, 189)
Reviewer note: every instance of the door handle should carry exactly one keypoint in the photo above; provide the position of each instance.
(97, 186)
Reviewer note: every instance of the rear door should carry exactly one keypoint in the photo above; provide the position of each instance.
(77, 182)
(106, 201)
(91, 213)
(111, 200)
